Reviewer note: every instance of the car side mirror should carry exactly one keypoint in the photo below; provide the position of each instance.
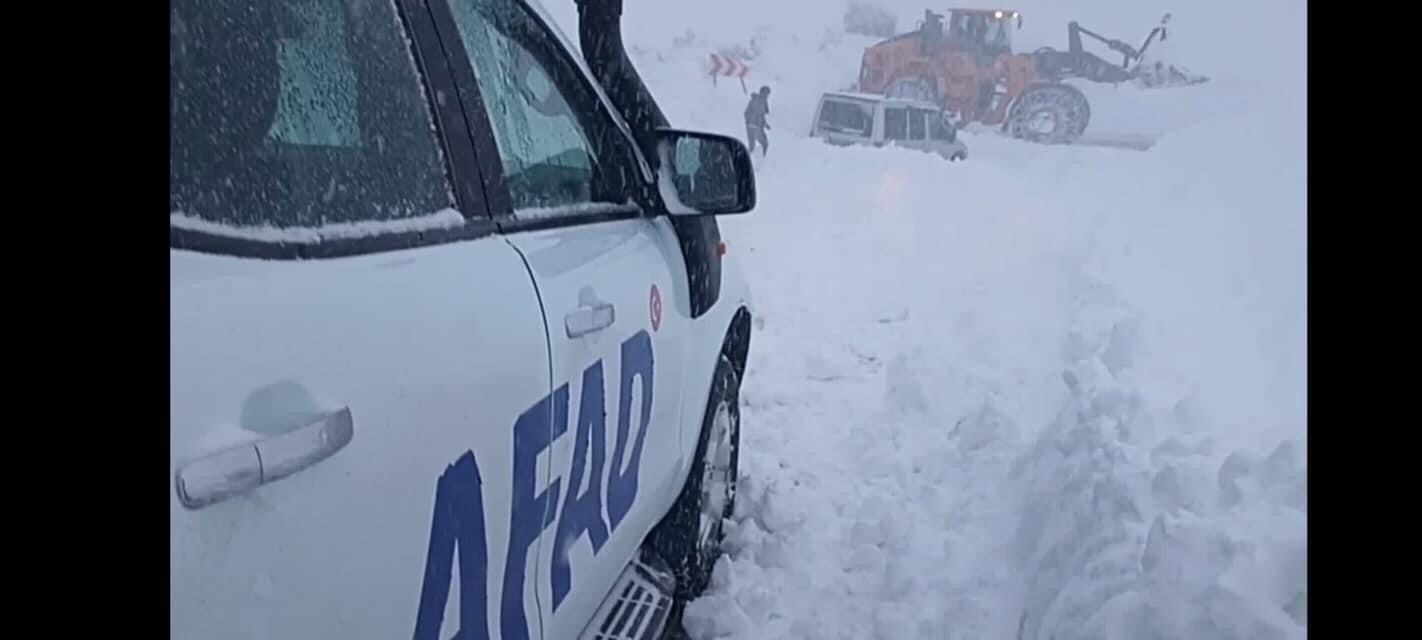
(704, 173)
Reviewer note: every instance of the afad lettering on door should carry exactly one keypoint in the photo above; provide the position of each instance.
(459, 518)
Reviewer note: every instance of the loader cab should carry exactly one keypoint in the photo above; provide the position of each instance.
(987, 32)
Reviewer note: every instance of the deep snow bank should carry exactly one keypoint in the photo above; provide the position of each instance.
(1137, 525)
(1055, 391)
(1169, 497)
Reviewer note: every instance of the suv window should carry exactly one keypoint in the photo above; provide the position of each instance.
(847, 117)
(938, 129)
(561, 153)
(298, 114)
(896, 123)
(915, 123)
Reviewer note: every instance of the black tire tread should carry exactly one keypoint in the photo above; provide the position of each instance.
(1038, 92)
(674, 536)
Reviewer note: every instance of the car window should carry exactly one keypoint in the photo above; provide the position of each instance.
(938, 129)
(562, 154)
(298, 114)
(896, 123)
(847, 117)
(915, 124)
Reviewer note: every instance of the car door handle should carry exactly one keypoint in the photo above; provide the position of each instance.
(240, 469)
(588, 318)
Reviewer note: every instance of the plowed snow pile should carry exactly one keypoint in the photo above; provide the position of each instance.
(1045, 393)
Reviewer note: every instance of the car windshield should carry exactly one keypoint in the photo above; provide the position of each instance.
(983, 32)
(998, 34)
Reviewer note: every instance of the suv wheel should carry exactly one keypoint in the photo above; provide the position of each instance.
(689, 536)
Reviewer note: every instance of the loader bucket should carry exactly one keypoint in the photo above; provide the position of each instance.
(1159, 75)
(1151, 72)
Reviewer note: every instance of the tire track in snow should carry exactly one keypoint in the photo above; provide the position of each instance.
(896, 360)
(880, 524)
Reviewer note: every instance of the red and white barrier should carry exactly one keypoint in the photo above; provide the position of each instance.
(728, 67)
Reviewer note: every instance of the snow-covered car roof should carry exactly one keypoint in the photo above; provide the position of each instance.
(871, 97)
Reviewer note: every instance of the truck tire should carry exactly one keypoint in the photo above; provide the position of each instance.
(1055, 113)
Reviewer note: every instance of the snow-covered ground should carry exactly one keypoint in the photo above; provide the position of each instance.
(1045, 393)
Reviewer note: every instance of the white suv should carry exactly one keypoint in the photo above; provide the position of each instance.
(455, 344)
(845, 118)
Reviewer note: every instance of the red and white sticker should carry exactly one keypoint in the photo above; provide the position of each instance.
(656, 304)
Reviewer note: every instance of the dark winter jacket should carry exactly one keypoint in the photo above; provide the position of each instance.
(756, 111)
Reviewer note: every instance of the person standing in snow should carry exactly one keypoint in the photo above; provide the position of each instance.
(756, 126)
